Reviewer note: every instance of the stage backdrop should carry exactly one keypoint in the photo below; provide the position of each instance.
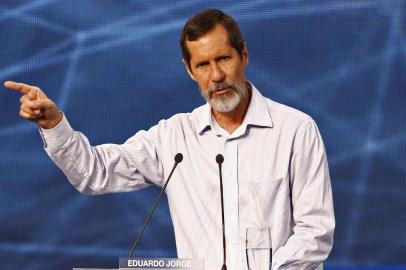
(114, 67)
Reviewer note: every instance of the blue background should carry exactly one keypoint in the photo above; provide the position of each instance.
(114, 67)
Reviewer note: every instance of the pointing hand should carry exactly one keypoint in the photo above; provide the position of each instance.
(36, 106)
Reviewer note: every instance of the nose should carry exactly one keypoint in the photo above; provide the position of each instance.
(217, 74)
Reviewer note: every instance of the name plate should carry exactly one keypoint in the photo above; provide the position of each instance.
(160, 263)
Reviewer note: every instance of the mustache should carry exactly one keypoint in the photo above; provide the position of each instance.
(220, 86)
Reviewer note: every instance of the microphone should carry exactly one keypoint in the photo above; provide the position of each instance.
(178, 159)
(220, 160)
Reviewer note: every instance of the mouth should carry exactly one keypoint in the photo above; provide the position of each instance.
(221, 91)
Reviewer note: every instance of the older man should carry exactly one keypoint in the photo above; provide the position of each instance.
(277, 191)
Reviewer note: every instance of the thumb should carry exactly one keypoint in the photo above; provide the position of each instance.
(35, 93)
(32, 94)
(40, 94)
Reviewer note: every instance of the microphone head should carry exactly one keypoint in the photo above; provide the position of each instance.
(219, 158)
(178, 158)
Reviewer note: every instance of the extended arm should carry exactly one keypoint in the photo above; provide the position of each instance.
(91, 169)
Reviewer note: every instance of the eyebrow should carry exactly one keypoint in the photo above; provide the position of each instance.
(226, 55)
(222, 56)
(201, 63)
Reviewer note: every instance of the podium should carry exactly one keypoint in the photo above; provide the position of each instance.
(155, 264)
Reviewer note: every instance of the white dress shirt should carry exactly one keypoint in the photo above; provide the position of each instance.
(277, 191)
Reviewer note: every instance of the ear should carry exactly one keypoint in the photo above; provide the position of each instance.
(188, 70)
(245, 55)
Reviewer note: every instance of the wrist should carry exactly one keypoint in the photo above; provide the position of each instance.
(51, 123)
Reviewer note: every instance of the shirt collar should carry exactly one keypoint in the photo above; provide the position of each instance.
(257, 113)
(204, 118)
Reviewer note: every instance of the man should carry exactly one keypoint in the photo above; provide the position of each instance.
(277, 191)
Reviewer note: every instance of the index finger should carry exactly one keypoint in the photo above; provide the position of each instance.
(20, 87)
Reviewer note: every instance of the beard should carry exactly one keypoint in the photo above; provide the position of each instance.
(228, 101)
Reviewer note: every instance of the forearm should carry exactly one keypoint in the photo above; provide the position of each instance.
(91, 170)
(307, 247)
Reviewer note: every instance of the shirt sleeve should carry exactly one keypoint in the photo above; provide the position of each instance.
(104, 168)
(312, 204)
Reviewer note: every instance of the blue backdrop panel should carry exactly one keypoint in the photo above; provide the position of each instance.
(114, 67)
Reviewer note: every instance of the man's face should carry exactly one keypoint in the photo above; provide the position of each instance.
(218, 69)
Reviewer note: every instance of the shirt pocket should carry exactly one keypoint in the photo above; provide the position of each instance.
(258, 248)
(261, 201)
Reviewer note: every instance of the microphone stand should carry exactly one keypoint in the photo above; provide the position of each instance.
(219, 160)
(178, 159)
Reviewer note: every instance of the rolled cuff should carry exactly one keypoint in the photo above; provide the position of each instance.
(55, 137)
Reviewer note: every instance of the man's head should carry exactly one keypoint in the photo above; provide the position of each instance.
(215, 56)
(205, 21)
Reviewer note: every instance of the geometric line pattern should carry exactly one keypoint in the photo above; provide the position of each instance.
(114, 67)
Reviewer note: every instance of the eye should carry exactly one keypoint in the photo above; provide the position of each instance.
(224, 58)
(202, 64)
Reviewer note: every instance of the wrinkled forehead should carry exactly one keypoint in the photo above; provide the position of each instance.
(212, 43)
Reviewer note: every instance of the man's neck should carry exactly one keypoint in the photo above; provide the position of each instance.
(230, 121)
